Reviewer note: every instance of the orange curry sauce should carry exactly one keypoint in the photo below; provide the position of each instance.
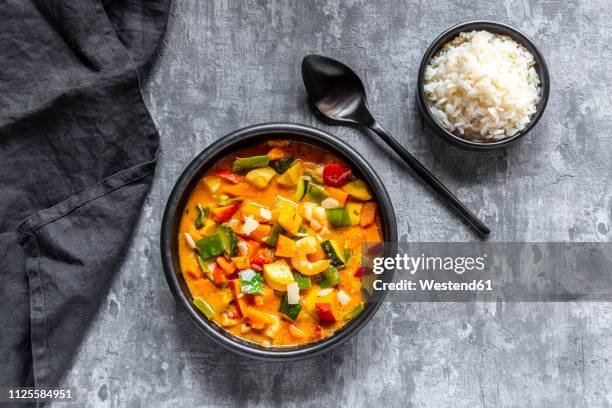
(246, 204)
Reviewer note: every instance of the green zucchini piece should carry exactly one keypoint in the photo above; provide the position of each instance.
(291, 311)
(205, 268)
(338, 217)
(301, 188)
(281, 165)
(316, 193)
(302, 281)
(202, 215)
(204, 307)
(332, 251)
(210, 246)
(229, 239)
(354, 312)
(251, 282)
(328, 278)
(244, 164)
(273, 237)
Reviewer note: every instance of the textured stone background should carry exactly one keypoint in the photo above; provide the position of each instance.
(228, 64)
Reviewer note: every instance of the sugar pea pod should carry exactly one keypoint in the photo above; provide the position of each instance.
(202, 215)
(204, 307)
(273, 237)
(244, 164)
(205, 268)
(354, 312)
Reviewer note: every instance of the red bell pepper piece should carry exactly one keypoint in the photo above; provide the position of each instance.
(223, 214)
(325, 313)
(228, 176)
(359, 272)
(240, 301)
(336, 175)
(260, 260)
(219, 276)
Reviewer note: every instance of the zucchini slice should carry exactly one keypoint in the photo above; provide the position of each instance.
(332, 251)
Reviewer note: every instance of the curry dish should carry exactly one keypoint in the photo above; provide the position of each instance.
(270, 243)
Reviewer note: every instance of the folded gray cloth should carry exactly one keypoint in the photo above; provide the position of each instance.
(77, 153)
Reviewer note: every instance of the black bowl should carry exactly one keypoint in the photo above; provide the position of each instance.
(188, 180)
(495, 28)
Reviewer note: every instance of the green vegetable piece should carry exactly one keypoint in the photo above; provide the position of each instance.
(204, 307)
(210, 246)
(251, 282)
(223, 197)
(229, 239)
(301, 230)
(273, 237)
(348, 252)
(229, 200)
(354, 312)
(302, 281)
(282, 165)
(205, 268)
(338, 217)
(244, 164)
(291, 311)
(202, 215)
(332, 251)
(316, 193)
(301, 188)
(328, 278)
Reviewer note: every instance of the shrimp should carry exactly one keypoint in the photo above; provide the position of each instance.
(304, 247)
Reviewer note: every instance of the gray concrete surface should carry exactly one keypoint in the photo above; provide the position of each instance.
(228, 64)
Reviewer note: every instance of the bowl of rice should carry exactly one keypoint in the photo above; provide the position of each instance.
(482, 85)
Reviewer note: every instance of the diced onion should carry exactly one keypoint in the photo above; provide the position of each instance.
(293, 293)
(190, 241)
(330, 203)
(250, 225)
(319, 213)
(265, 213)
(325, 292)
(243, 248)
(308, 207)
(314, 224)
(343, 298)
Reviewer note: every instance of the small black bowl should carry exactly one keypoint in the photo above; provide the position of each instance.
(495, 28)
(187, 182)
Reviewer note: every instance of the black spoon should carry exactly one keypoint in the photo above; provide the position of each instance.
(339, 95)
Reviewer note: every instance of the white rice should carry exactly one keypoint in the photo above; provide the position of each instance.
(482, 86)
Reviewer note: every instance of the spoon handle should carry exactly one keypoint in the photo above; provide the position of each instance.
(436, 184)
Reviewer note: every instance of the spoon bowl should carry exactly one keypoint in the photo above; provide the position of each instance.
(338, 94)
(335, 91)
